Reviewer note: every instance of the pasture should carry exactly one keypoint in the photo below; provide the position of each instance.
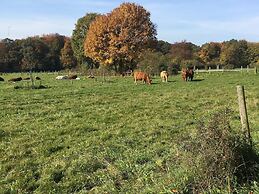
(90, 136)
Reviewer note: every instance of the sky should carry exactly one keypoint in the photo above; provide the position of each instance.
(197, 21)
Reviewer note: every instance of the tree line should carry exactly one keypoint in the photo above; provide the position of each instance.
(51, 52)
(124, 39)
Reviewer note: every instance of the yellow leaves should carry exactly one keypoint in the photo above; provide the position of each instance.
(120, 35)
(109, 61)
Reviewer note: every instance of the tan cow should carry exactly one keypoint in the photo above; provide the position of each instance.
(62, 77)
(164, 76)
(141, 76)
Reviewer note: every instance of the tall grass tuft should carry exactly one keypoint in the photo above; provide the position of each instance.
(219, 157)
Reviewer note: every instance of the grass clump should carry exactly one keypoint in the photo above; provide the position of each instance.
(219, 158)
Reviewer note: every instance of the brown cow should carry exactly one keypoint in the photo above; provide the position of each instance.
(72, 77)
(191, 74)
(164, 76)
(187, 74)
(141, 76)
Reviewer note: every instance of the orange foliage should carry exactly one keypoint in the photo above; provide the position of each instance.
(120, 36)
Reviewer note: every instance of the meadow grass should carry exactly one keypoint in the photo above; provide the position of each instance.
(91, 136)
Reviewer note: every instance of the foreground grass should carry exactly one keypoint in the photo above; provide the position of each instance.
(109, 137)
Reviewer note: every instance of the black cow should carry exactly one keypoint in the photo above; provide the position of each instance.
(17, 79)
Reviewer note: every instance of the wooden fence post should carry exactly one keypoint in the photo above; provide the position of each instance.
(243, 113)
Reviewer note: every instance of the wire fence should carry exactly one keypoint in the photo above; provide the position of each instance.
(209, 70)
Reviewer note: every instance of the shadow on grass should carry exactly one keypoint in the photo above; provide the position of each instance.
(169, 81)
(31, 87)
(248, 169)
(106, 81)
(197, 80)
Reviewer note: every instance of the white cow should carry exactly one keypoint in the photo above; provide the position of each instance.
(164, 76)
(61, 77)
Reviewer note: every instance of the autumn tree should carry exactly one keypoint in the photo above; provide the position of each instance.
(67, 56)
(234, 54)
(78, 38)
(117, 39)
(34, 52)
(210, 53)
(55, 43)
(10, 55)
(183, 50)
(185, 54)
(3, 56)
(153, 62)
(253, 50)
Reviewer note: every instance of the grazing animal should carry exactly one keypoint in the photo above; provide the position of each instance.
(141, 76)
(187, 74)
(37, 78)
(72, 77)
(15, 79)
(27, 78)
(164, 76)
(191, 74)
(61, 77)
(1, 79)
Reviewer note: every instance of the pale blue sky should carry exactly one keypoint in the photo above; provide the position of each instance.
(198, 21)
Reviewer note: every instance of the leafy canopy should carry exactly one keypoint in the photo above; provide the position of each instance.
(117, 39)
(79, 35)
(67, 56)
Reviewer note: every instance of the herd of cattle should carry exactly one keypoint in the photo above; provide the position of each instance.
(187, 75)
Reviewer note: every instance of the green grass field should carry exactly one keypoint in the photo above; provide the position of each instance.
(89, 136)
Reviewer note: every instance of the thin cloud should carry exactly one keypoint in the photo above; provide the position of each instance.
(23, 28)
